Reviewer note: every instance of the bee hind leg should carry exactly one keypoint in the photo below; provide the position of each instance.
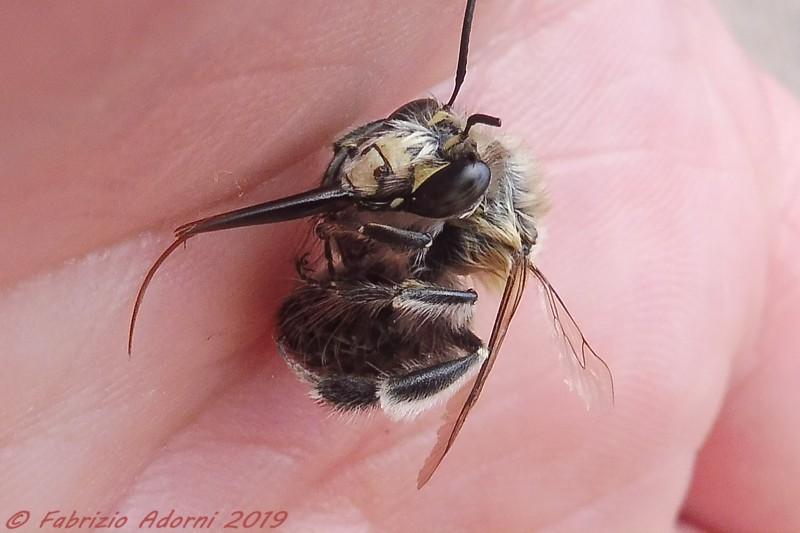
(407, 395)
(401, 396)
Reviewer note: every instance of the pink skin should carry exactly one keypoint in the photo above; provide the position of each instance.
(673, 238)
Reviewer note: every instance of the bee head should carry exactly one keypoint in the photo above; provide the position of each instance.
(457, 187)
(454, 189)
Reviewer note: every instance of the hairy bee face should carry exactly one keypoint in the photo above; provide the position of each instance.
(428, 162)
(420, 158)
(410, 208)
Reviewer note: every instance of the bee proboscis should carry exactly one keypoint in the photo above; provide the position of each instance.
(410, 208)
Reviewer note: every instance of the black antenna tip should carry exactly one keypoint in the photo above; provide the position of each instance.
(463, 52)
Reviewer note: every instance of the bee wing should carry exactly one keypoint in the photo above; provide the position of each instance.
(455, 416)
(586, 372)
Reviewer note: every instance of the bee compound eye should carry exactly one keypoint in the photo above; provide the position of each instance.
(450, 191)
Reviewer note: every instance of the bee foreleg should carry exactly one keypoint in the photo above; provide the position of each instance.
(397, 238)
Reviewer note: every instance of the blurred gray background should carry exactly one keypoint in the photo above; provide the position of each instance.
(770, 31)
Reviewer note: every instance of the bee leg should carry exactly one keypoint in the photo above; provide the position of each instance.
(400, 240)
(347, 392)
(329, 259)
(421, 302)
(402, 396)
(326, 232)
(407, 395)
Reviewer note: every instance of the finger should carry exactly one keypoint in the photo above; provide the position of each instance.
(121, 121)
(754, 447)
(199, 108)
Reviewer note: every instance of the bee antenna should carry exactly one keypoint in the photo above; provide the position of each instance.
(480, 118)
(461, 70)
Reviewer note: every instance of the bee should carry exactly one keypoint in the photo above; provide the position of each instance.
(410, 208)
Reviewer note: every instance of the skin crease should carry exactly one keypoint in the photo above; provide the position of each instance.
(673, 236)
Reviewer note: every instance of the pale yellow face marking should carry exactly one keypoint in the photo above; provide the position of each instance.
(362, 175)
(394, 150)
(453, 141)
(385, 151)
(440, 116)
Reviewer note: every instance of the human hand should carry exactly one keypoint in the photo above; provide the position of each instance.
(671, 163)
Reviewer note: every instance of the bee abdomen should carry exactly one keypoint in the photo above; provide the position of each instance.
(369, 329)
